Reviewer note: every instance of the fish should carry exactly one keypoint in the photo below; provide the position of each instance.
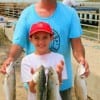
(53, 85)
(9, 83)
(80, 84)
(39, 78)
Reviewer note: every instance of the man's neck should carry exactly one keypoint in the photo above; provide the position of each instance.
(48, 1)
(44, 8)
(47, 4)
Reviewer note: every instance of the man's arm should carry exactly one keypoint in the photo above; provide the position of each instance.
(13, 54)
(79, 53)
(78, 49)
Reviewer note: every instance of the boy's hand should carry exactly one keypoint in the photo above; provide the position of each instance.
(32, 83)
(59, 69)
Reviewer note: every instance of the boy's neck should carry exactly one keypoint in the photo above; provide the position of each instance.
(42, 53)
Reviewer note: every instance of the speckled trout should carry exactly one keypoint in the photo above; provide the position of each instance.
(10, 83)
(80, 84)
(40, 79)
(53, 85)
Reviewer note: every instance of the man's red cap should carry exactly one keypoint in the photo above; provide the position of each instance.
(40, 26)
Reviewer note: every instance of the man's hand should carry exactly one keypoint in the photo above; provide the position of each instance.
(14, 53)
(5, 64)
(85, 64)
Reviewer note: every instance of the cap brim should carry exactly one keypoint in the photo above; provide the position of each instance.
(34, 32)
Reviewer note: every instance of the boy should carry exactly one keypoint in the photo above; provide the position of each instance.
(41, 36)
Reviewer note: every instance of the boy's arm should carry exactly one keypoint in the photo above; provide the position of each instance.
(59, 69)
(32, 86)
(32, 83)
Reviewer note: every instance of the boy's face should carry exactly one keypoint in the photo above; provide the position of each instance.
(41, 41)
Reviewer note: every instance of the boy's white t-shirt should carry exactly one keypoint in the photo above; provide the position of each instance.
(34, 61)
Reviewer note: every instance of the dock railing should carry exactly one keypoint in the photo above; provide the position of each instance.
(90, 22)
(90, 4)
(12, 9)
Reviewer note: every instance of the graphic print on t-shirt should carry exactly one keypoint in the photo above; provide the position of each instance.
(55, 44)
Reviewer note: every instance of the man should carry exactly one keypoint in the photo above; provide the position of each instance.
(67, 32)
